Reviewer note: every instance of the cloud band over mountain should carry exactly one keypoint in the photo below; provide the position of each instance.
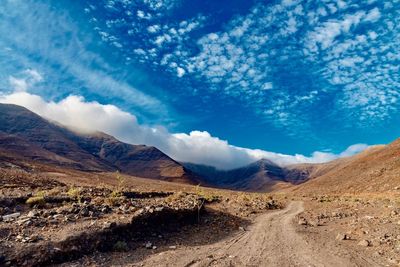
(196, 147)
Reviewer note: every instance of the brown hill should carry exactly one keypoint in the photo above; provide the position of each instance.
(26, 136)
(377, 169)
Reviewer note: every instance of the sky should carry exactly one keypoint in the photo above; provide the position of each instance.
(221, 83)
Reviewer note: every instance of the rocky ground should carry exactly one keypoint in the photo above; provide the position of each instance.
(67, 218)
(44, 221)
(366, 223)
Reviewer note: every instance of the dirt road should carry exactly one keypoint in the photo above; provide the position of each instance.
(271, 240)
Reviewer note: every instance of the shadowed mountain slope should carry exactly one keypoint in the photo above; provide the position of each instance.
(260, 176)
(25, 135)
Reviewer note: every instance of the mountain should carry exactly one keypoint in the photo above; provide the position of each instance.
(377, 169)
(260, 176)
(25, 135)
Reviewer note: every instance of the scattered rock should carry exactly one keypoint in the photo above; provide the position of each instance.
(364, 243)
(342, 236)
(109, 225)
(84, 212)
(148, 245)
(32, 214)
(172, 247)
(302, 221)
(105, 209)
(241, 228)
(11, 217)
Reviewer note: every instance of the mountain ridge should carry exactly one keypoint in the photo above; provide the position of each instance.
(53, 144)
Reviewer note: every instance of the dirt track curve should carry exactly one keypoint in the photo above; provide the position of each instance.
(272, 240)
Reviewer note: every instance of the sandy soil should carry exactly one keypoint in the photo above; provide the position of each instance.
(272, 240)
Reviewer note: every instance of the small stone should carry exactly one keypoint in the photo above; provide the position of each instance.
(364, 243)
(172, 247)
(57, 216)
(69, 218)
(341, 236)
(154, 247)
(23, 221)
(19, 238)
(302, 221)
(32, 214)
(148, 245)
(11, 217)
(109, 225)
(105, 209)
(84, 212)
(139, 212)
(242, 228)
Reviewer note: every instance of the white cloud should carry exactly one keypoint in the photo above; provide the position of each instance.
(373, 15)
(196, 147)
(25, 80)
(326, 33)
(180, 72)
(19, 85)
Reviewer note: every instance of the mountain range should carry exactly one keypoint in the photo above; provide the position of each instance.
(25, 136)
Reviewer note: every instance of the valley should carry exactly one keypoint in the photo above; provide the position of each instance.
(87, 199)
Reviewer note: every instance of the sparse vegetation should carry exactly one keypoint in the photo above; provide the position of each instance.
(206, 195)
(120, 182)
(117, 196)
(37, 200)
(175, 196)
(75, 193)
(114, 201)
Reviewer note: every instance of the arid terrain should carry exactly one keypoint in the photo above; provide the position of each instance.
(59, 217)
(69, 199)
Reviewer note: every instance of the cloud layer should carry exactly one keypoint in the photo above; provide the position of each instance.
(196, 147)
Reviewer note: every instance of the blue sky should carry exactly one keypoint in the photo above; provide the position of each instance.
(293, 77)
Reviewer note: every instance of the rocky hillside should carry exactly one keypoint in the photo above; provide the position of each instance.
(377, 169)
(26, 136)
